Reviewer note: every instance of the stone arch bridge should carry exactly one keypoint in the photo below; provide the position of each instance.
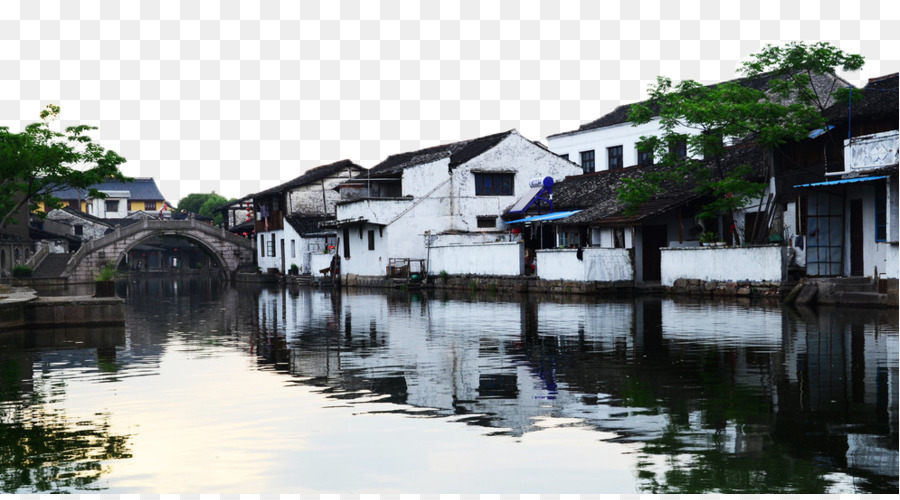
(228, 250)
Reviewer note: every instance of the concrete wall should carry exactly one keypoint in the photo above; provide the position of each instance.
(597, 264)
(758, 263)
(497, 259)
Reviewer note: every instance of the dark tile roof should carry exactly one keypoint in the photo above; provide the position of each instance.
(142, 188)
(86, 216)
(620, 114)
(879, 102)
(458, 152)
(308, 224)
(596, 194)
(310, 176)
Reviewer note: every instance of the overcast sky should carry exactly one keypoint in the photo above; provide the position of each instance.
(236, 97)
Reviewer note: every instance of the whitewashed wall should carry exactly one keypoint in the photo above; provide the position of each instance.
(598, 140)
(597, 264)
(758, 263)
(362, 261)
(497, 259)
(513, 154)
(318, 261)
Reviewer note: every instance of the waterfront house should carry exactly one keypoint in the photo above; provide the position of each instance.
(841, 187)
(286, 217)
(442, 208)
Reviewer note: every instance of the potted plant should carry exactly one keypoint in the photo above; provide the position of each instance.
(709, 238)
(295, 270)
(105, 284)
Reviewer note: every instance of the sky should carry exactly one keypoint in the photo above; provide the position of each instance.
(236, 97)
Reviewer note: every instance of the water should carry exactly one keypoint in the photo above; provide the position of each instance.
(214, 388)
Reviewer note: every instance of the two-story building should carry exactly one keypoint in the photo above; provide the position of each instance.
(286, 217)
(122, 198)
(453, 194)
(843, 188)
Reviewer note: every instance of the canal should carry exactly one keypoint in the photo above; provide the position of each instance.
(213, 387)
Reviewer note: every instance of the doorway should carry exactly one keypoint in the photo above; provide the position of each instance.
(653, 238)
(856, 238)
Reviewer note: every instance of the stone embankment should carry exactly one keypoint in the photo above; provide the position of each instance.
(847, 291)
(21, 307)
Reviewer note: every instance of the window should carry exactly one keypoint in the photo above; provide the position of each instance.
(614, 155)
(371, 234)
(678, 149)
(112, 206)
(149, 205)
(619, 237)
(645, 158)
(293, 249)
(494, 184)
(587, 161)
(346, 242)
(565, 156)
(79, 230)
(262, 245)
(271, 248)
(487, 221)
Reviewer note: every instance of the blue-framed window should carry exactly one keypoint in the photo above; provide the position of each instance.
(487, 184)
(880, 213)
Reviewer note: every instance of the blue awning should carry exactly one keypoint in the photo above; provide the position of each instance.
(818, 132)
(545, 217)
(841, 181)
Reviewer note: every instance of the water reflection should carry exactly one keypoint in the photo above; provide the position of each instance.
(41, 448)
(723, 397)
(698, 396)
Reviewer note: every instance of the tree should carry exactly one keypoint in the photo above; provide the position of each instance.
(786, 110)
(39, 161)
(796, 67)
(204, 204)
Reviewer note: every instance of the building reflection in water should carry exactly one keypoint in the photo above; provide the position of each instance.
(716, 393)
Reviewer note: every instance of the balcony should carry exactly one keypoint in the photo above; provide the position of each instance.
(871, 151)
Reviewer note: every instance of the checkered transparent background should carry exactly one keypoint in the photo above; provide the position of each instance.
(236, 96)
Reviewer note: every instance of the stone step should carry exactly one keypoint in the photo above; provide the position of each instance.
(52, 266)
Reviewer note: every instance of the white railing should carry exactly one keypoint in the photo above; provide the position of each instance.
(871, 151)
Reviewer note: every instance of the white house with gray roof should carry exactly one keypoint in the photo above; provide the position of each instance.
(453, 194)
(287, 217)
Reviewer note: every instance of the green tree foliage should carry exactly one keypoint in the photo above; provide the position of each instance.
(731, 111)
(39, 161)
(796, 65)
(204, 204)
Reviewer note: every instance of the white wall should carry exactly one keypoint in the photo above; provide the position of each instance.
(759, 263)
(498, 259)
(597, 264)
(319, 261)
(600, 139)
(363, 261)
(445, 201)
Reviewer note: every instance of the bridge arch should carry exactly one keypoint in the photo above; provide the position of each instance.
(228, 250)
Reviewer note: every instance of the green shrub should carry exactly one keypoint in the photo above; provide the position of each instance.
(108, 271)
(22, 271)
